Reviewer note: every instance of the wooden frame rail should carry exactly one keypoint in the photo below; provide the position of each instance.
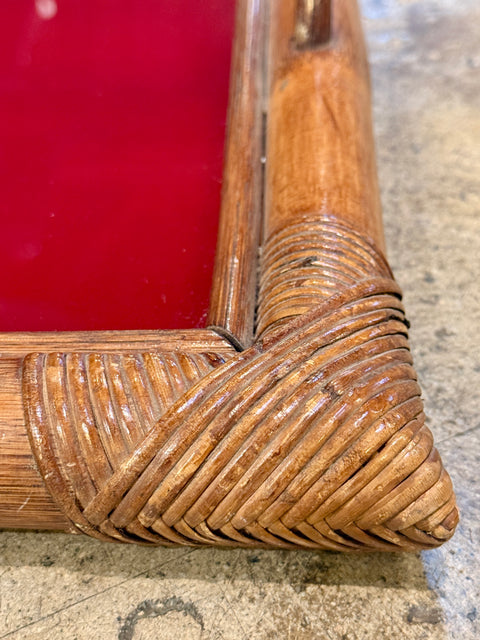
(295, 419)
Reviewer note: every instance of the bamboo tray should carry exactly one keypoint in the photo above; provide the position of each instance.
(294, 420)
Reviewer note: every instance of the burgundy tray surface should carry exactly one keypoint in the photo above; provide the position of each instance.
(112, 126)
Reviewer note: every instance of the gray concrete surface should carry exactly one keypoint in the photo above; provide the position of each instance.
(425, 58)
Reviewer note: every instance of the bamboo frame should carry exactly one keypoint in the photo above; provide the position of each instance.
(295, 419)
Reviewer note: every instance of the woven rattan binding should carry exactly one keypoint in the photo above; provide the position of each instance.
(313, 437)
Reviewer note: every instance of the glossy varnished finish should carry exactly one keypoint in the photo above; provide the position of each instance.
(313, 23)
(314, 436)
(306, 262)
(191, 340)
(233, 297)
(25, 501)
(320, 151)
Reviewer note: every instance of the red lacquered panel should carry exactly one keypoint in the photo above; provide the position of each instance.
(112, 125)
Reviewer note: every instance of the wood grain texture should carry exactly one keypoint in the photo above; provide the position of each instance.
(25, 502)
(191, 340)
(232, 303)
(178, 359)
(320, 151)
(312, 437)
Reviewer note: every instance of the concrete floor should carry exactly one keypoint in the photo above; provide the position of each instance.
(425, 58)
